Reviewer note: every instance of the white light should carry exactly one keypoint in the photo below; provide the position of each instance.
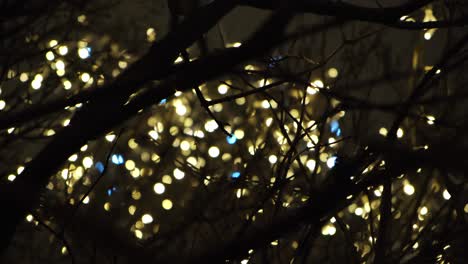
(211, 126)
(53, 43)
(311, 90)
(331, 162)
(423, 210)
(110, 137)
(181, 109)
(2, 104)
(272, 159)
(328, 230)
(446, 195)
(85, 77)
(427, 35)
(147, 219)
(223, 88)
(73, 158)
(83, 53)
(35, 84)
(63, 50)
(318, 83)
(358, 211)
(50, 55)
(178, 174)
(408, 189)
(153, 134)
(310, 164)
(87, 162)
(400, 133)
(185, 145)
(60, 65)
(213, 152)
(11, 177)
(159, 188)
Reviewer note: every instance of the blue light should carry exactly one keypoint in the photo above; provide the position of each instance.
(163, 101)
(89, 49)
(111, 190)
(99, 166)
(334, 126)
(117, 159)
(231, 139)
(338, 132)
(235, 175)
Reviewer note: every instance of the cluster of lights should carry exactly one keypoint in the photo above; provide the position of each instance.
(186, 132)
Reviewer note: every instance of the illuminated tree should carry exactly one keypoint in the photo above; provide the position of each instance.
(326, 132)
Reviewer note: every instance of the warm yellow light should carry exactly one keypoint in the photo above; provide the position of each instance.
(24, 77)
(53, 43)
(131, 209)
(167, 204)
(123, 64)
(81, 18)
(129, 165)
(138, 234)
(332, 73)
(383, 131)
(239, 134)
(167, 179)
(151, 34)
(328, 230)
(136, 195)
(67, 85)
